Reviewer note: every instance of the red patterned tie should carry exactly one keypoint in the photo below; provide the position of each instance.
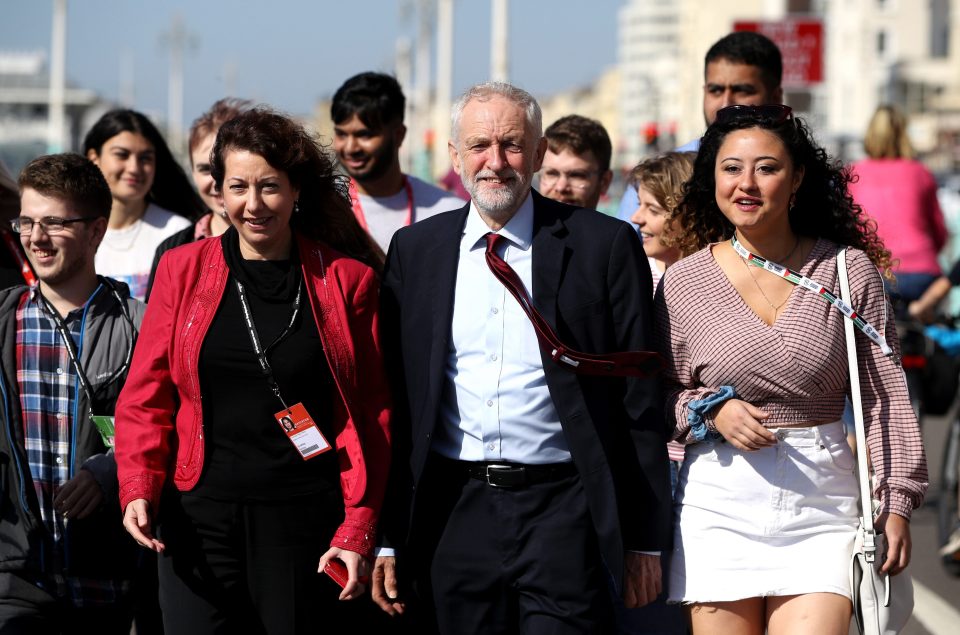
(625, 364)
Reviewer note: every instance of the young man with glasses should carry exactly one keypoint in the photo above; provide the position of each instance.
(65, 344)
(576, 167)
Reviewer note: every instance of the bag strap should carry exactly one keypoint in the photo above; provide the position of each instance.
(863, 476)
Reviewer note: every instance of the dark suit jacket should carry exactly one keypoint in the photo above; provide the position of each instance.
(591, 281)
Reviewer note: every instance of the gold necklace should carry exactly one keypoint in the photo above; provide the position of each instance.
(776, 308)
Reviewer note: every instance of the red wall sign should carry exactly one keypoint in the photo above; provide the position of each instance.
(801, 44)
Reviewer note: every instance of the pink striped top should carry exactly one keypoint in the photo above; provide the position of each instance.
(796, 369)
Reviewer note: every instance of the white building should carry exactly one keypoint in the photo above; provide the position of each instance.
(905, 52)
(649, 60)
(24, 108)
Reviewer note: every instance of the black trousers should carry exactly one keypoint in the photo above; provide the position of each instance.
(232, 567)
(503, 561)
(26, 609)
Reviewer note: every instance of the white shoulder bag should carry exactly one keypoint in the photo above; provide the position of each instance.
(882, 604)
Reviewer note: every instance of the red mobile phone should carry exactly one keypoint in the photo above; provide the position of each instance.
(337, 572)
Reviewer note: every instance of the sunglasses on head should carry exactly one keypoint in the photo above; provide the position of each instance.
(773, 114)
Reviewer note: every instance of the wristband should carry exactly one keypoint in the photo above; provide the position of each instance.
(697, 412)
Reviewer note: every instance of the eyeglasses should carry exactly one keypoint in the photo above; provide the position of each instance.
(773, 114)
(50, 224)
(576, 180)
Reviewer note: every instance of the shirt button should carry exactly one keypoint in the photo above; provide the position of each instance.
(59, 460)
(492, 446)
(494, 357)
(489, 402)
(59, 416)
(59, 371)
(495, 310)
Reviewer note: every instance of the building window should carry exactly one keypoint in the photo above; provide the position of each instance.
(881, 43)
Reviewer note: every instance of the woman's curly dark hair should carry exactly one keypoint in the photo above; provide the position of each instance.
(324, 200)
(824, 207)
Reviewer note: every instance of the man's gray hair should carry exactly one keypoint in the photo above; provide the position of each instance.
(487, 91)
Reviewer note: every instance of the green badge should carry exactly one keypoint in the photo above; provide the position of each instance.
(105, 427)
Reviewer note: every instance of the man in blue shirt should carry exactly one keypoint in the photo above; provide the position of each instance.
(743, 68)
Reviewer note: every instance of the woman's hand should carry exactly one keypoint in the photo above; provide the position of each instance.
(139, 524)
(739, 423)
(897, 530)
(358, 571)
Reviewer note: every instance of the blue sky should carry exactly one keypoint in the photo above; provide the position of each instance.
(290, 53)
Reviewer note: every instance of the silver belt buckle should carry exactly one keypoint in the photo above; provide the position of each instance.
(496, 468)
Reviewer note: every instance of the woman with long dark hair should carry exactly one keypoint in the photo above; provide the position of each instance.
(152, 197)
(766, 506)
(274, 323)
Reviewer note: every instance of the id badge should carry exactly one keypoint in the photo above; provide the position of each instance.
(105, 427)
(303, 433)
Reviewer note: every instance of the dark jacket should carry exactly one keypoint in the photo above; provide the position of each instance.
(592, 283)
(94, 545)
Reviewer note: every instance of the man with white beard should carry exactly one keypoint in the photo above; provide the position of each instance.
(522, 465)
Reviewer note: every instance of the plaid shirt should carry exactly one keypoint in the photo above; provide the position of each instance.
(48, 401)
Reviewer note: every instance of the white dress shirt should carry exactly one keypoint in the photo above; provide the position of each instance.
(496, 405)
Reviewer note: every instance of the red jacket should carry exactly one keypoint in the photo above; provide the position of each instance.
(159, 411)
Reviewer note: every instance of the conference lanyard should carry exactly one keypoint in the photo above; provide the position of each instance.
(808, 284)
(258, 350)
(74, 355)
(358, 208)
(29, 277)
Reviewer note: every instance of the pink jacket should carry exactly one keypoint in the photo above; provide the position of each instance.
(901, 196)
(159, 416)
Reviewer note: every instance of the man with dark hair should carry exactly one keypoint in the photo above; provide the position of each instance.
(576, 168)
(367, 113)
(743, 68)
(65, 563)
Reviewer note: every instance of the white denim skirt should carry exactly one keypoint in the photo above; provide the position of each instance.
(777, 521)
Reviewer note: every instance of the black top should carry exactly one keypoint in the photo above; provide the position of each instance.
(954, 274)
(248, 455)
(183, 237)
(10, 275)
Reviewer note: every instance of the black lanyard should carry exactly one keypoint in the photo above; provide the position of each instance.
(258, 350)
(74, 355)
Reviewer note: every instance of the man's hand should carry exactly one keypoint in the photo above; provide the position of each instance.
(384, 590)
(139, 524)
(642, 581)
(79, 497)
(897, 530)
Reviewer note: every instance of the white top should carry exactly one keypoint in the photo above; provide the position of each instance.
(127, 254)
(386, 214)
(496, 405)
(655, 273)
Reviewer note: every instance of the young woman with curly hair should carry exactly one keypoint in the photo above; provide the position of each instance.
(766, 506)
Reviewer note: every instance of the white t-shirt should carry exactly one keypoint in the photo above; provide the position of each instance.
(385, 215)
(127, 254)
(655, 272)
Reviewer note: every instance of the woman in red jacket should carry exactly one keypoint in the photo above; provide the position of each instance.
(275, 319)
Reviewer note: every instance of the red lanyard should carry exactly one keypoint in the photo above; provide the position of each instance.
(25, 270)
(358, 209)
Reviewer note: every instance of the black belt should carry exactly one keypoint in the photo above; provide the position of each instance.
(505, 474)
